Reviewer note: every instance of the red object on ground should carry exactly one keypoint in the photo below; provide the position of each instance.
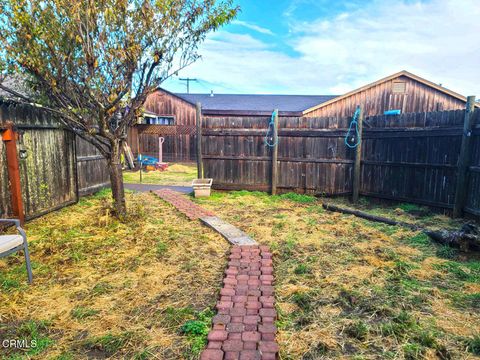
(162, 166)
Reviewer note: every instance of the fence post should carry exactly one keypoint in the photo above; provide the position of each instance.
(358, 158)
(275, 154)
(464, 159)
(199, 141)
(10, 139)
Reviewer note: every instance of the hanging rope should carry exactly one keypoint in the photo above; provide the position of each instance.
(352, 139)
(271, 128)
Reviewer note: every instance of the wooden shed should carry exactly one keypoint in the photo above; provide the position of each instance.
(173, 117)
(402, 91)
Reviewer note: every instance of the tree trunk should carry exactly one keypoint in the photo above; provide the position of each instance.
(116, 180)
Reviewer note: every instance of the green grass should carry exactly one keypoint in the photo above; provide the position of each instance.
(175, 174)
(473, 345)
(81, 313)
(109, 343)
(34, 335)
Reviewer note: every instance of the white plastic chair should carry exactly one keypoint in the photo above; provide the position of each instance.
(10, 244)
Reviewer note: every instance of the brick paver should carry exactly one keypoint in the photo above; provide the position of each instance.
(244, 327)
(189, 208)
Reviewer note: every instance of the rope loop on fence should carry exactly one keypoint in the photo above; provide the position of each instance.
(352, 139)
(271, 126)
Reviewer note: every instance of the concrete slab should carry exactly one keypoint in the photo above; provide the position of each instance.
(151, 187)
(228, 231)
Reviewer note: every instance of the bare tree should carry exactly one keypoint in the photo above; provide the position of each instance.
(94, 63)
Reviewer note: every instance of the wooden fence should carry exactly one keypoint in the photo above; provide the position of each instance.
(179, 145)
(410, 157)
(59, 167)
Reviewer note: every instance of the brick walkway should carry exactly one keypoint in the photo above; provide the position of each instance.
(192, 210)
(244, 327)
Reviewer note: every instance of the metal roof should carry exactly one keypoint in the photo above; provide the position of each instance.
(254, 104)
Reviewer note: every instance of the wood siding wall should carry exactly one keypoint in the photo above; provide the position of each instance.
(176, 148)
(380, 98)
(49, 174)
(412, 157)
(163, 103)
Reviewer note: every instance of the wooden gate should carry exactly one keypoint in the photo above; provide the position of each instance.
(58, 168)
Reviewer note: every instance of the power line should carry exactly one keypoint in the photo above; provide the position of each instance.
(188, 83)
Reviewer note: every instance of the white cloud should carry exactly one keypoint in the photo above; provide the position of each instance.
(253, 27)
(437, 40)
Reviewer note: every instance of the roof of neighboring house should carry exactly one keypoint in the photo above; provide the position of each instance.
(233, 104)
(17, 83)
(388, 78)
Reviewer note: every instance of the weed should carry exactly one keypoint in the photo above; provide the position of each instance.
(310, 221)
(304, 300)
(143, 355)
(195, 328)
(358, 330)
(302, 269)
(419, 240)
(287, 247)
(426, 338)
(101, 288)
(447, 252)
(384, 228)
(175, 317)
(468, 271)
(196, 331)
(35, 331)
(467, 301)
(278, 227)
(403, 323)
(161, 248)
(473, 345)
(317, 352)
(409, 207)
(189, 265)
(315, 209)
(412, 351)
(81, 313)
(298, 198)
(108, 343)
(7, 284)
(401, 268)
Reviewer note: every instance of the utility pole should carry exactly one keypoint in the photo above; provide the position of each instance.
(188, 83)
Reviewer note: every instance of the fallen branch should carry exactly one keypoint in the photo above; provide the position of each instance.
(466, 239)
(370, 217)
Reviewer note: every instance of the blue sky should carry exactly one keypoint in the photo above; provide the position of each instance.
(331, 47)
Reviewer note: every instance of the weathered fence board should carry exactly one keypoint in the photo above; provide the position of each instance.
(411, 157)
(92, 168)
(48, 173)
(59, 167)
(473, 190)
(311, 159)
